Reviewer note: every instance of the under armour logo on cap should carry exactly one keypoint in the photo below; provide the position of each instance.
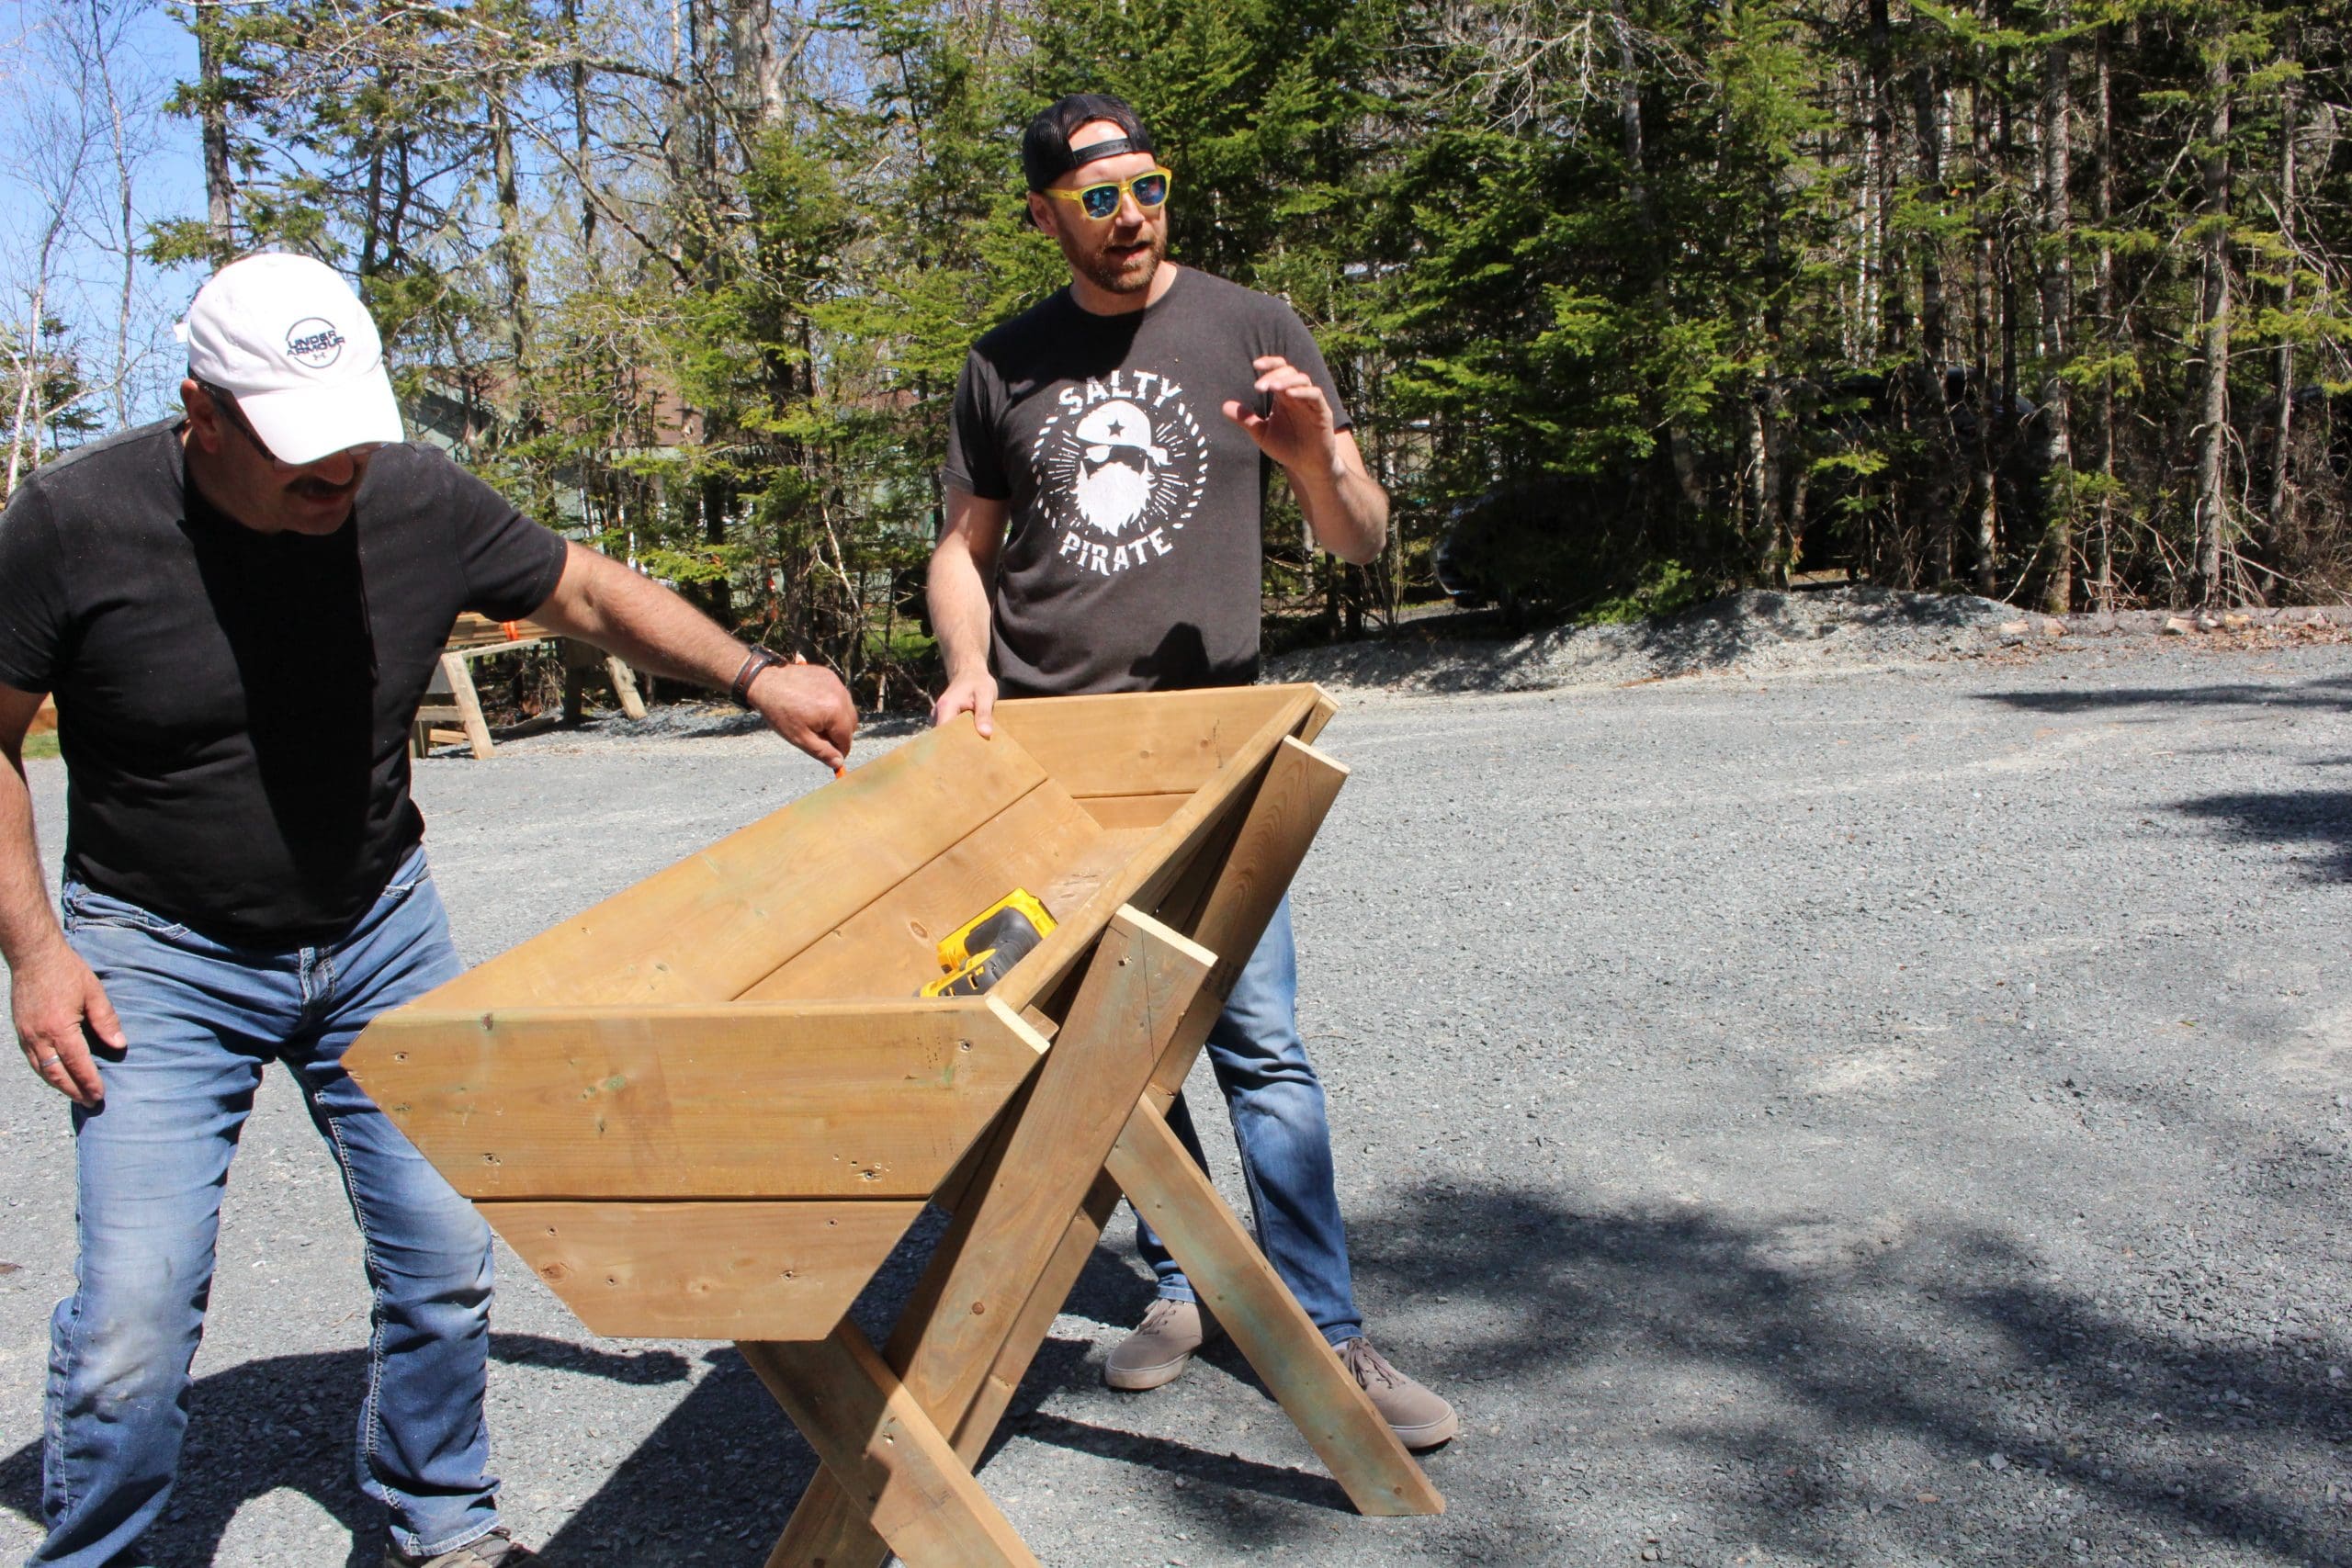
(314, 341)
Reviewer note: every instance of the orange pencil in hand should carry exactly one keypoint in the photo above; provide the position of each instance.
(802, 659)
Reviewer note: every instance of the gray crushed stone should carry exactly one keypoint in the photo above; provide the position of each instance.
(1898, 1120)
(1758, 632)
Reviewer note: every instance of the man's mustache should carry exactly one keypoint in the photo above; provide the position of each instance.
(310, 487)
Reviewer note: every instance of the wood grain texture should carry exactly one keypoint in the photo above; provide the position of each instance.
(468, 701)
(692, 1270)
(982, 1287)
(1166, 854)
(1236, 1284)
(1134, 811)
(713, 925)
(743, 1100)
(1143, 743)
(886, 1454)
(1240, 879)
(889, 948)
(1138, 987)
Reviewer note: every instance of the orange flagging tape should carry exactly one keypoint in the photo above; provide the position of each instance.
(514, 631)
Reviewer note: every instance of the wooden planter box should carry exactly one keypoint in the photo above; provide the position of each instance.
(712, 1105)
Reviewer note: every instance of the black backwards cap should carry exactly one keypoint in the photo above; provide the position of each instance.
(1044, 146)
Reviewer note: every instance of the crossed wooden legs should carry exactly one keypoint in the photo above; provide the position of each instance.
(899, 1432)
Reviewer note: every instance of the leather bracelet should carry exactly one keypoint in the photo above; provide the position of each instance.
(758, 659)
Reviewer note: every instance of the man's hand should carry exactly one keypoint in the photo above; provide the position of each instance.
(975, 694)
(54, 996)
(807, 705)
(1300, 432)
(1346, 511)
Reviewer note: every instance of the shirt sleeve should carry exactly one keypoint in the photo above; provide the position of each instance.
(511, 563)
(974, 463)
(33, 614)
(1299, 347)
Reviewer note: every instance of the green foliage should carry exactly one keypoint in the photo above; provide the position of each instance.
(1666, 588)
(1755, 282)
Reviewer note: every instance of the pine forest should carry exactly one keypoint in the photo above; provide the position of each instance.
(1633, 300)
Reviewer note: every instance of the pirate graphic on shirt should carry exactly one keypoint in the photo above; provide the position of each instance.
(1122, 466)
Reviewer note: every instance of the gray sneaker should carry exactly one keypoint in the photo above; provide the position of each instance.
(1160, 1347)
(496, 1549)
(1418, 1417)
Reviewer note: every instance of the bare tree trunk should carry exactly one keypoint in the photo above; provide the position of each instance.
(2282, 433)
(24, 429)
(1629, 112)
(1942, 455)
(2212, 504)
(513, 256)
(1893, 316)
(220, 185)
(1984, 482)
(2104, 588)
(1770, 545)
(580, 145)
(2057, 308)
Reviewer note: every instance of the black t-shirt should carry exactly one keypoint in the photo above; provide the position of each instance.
(1131, 559)
(234, 708)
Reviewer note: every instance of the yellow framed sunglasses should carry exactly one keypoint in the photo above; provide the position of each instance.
(1100, 201)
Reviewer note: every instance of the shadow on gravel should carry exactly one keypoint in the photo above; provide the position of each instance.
(2329, 695)
(670, 1503)
(2323, 817)
(1755, 1368)
(1831, 1396)
(287, 1422)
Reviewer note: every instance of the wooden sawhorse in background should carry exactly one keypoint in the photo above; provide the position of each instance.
(476, 636)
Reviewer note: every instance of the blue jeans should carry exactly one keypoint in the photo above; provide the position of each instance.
(203, 1021)
(1279, 1123)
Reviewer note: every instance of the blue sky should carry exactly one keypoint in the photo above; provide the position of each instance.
(151, 50)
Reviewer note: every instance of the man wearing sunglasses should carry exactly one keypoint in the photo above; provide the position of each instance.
(1107, 458)
(238, 613)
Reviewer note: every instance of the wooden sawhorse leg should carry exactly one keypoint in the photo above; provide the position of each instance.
(875, 1441)
(965, 1388)
(580, 659)
(467, 703)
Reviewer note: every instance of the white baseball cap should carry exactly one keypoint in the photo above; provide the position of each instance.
(289, 339)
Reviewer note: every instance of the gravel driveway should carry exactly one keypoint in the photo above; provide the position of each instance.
(1865, 1119)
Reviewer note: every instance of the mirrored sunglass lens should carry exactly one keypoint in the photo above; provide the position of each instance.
(1151, 190)
(1099, 201)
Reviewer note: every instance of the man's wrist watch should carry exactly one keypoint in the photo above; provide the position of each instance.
(758, 659)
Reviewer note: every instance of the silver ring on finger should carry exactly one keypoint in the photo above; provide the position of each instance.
(47, 1062)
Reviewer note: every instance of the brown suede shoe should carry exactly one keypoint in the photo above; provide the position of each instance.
(496, 1549)
(1418, 1417)
(1160, 1347)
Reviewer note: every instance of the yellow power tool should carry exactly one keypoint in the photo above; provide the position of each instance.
(979, 952)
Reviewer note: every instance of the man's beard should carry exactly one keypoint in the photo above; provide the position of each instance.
(1112, 496)
(1131, 274)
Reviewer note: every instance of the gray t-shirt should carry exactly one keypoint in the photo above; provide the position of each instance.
(1131, 561)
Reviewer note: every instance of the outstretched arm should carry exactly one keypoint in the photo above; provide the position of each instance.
(963, 574)
(51, 990)
(600, 600)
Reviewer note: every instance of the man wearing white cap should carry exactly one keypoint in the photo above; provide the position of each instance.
(238, 613)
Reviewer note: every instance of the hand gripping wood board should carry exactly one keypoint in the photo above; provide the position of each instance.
(711, 1106)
